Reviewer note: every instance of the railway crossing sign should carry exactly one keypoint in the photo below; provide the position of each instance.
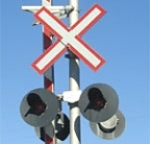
(69, 38)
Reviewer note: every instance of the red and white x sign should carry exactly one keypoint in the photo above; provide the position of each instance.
(69, 38)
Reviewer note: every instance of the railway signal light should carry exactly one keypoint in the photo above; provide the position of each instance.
(98, 102)
(111, 128)
(62, 128)
(39, 107)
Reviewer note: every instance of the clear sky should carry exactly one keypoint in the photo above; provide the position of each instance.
(120, 36)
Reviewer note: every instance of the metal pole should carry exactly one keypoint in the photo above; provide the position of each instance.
(74, 82)
(49, 78)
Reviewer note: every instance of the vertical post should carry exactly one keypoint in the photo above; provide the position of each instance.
(74, 83)
(49, 79)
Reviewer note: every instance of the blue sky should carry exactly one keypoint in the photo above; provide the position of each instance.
(121, 37)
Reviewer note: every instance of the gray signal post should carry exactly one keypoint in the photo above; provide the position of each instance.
(74, 73)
